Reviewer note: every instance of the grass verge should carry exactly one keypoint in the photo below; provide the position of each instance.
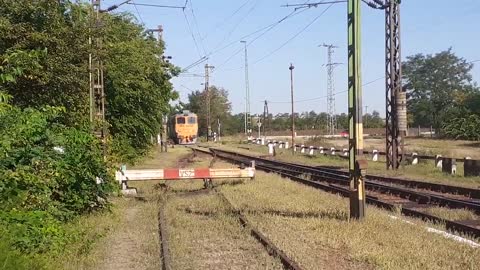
(377, 242)
(204, 235)
(424, 171)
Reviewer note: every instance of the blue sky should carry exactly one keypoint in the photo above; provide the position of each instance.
(428, 26)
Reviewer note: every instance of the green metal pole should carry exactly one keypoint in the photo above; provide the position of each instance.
(357, 162)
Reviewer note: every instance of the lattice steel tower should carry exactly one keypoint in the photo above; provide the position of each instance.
(97, 89)
(331, 117)
(248, 120)
(396, 117)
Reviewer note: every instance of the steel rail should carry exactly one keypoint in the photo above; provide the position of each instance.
(456, 226)
(164, 248)
(271, 248)
(336, 176)
(457, 190)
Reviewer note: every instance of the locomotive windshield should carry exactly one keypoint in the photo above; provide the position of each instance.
(181, 120)
(192, 120)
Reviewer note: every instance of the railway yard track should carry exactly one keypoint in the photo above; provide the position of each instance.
(242, 220)
(411, 197)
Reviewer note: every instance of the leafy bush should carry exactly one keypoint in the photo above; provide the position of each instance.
(463, 128)
(48, 174)
(14, 259)
(32, 231)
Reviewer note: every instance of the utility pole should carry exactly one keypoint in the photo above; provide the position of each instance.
(366, 115)
(159, 32)
(97, 88)
(265, 117)
(218, 128)
(293, 115)
(248, 120)
(331, 117)
(396, 99)
(95, 68)
(207, 91)
(164, 60)
(357, 162)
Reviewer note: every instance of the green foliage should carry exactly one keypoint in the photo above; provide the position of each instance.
(14, 63)
(137, 85)
(61, 28)
(463, 128)
(220, 108)
(14, 259)
(437, 87)
(136, 79)
(48, 174)
(34, 176)
(32, 231)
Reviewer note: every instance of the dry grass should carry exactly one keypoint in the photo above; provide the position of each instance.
(127, 237)
(424, 171)
(311, 226)
(378, 241)
(451, 214)
(198, 241)
(423, 146)
(203, 235)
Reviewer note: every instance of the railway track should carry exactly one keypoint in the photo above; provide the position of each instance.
(388, 193)
(269, 246)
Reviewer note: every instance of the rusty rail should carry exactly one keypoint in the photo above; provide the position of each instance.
(266, 165)
(271, 248)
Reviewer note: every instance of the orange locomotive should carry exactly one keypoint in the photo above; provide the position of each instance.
(184, 128)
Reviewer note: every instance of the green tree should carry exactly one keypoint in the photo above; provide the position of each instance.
(60, 28)
(373, 120)
(136, 79)
(437, 86)
(220, 107)
(137, 84)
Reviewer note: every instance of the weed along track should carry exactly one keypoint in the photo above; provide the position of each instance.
(270, 223)
(202, 230)
(411, 202)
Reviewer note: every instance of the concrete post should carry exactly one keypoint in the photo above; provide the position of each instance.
(271, 149)
(449, 165)
(263, 141)
(438, 161)
(345, 152)
(303, 149)
(286, 145)
(332, 151)
(471, 167)
(123, 179)
(414, 158)
(280, 145)
(322, 151)
(311, 152)
(375, 155)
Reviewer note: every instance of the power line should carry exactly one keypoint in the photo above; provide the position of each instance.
(229, 33)
(294, 36)
(326, 96)
(268, 27)
(218, 25)
(191, 32)
(285, 43)
(160, 6)
(139, 16)
(196, 26)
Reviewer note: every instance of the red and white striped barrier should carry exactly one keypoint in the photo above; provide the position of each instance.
(182, 174)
